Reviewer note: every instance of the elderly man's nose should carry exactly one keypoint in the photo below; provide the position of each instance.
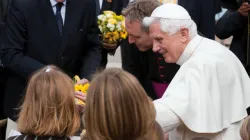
(131, 40)
(156, 47)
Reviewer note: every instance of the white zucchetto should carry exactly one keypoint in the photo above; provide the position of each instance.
(171, 11)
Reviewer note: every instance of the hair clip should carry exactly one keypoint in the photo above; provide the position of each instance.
(48, 69)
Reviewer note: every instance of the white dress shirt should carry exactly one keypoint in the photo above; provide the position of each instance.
(100, 2)
(63, 9)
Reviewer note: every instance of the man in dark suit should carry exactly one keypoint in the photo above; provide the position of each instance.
(109, 5)
(203, 13)
(1, 86)
(42, 32)
(2, 81)
(235, 23)
(148, 67)
(4, 6)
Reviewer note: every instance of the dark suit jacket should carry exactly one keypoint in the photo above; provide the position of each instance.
(115, 6)
(232, 23)
(2, 77)
(32, 41)
(112, 5)
(1, 30)
(203, 13)
(4, 6)
(147, 67)
(230, 4)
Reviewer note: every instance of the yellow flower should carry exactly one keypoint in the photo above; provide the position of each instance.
(108, 12)
(77, 87)
(123, 24)
(82, 88)
(112, 37)
(116, 35)
(112, 27)
(123, 34)
(112, 21)
(99, 22)
(120, 18)
(108, 35)
(85, 88)
(79, 102)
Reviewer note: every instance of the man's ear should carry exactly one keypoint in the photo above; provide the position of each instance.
(184, 33)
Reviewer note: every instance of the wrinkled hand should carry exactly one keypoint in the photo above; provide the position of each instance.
(243, 10)
(109, 46)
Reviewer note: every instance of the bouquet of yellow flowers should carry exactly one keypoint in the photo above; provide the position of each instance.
(112, 27)
(82, 88)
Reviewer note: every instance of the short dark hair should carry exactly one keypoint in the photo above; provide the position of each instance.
(138, 9)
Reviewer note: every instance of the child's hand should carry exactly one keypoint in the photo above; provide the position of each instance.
(79, 95)
(82, 82)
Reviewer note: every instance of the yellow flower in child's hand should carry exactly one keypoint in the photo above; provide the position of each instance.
(83, 89)
(77, 87)
(79, 102)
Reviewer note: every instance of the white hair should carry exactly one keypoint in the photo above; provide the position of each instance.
(172, 26)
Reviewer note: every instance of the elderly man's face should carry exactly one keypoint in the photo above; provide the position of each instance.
(135, 35)
(170, 46)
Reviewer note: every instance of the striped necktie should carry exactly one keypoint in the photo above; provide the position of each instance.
(59, 19)
(98, 9)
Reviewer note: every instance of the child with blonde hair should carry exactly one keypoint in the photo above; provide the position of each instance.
(48, 111)
(118, 108)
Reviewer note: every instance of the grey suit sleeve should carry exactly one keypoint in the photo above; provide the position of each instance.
(15, 41)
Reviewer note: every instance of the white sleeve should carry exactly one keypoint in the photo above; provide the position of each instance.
(166, 117)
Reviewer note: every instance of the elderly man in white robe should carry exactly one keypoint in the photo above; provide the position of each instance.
(208, 96)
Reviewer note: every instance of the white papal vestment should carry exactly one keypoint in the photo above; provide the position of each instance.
(208, 96)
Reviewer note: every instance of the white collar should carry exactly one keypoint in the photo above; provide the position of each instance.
(54, 2)
(190, 48)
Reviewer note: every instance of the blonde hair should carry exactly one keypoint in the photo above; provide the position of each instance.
(117, 107)
(245, 129)
(49, 108)
(155, 133)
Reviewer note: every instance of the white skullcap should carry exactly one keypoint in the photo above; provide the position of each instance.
(171, 11)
